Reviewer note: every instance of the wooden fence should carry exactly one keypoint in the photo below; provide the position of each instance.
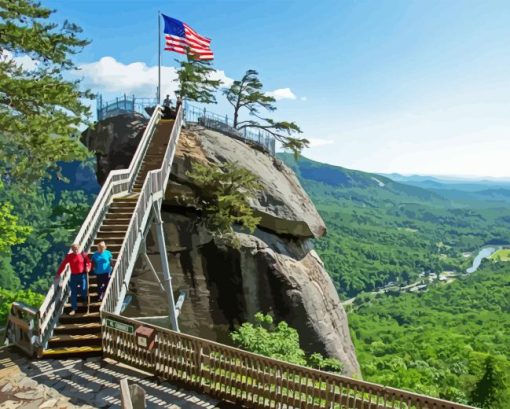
(253, 380)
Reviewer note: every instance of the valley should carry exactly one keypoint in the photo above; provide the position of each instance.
(423, 275)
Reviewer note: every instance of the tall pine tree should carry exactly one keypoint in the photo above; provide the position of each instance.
(40, 111)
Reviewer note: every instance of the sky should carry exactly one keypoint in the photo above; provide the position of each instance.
(413, 87)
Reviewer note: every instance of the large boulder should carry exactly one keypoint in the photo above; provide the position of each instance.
(114, 141)
(274, 270)
(227, 285)
(282, 204)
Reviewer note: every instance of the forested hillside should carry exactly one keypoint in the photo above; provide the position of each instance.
(381, 231)
(441, 341)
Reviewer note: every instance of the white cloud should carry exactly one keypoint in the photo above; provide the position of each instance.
(111, 76)
(24, 60)
(303, 99)
(316, 142)
(281, 93)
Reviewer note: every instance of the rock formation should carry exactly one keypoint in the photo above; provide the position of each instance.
(275, 270)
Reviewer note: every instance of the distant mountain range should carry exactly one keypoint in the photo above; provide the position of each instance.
(449, 183)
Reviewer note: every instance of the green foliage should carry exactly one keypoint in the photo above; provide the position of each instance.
(53, 222)
(40, 111)
(438, 342)
(11, 232)
(224, 193)
(7, 297)
(391, 233)
(279, 342)
(247, 93)
(492, 391)
(195, 82)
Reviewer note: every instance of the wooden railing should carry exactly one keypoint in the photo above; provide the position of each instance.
(253, 380)
(152, 191)
(22, 326)
(118, 182)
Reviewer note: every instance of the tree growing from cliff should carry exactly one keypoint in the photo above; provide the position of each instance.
(279, 341)
(196, 82)
(247, 93)
(224, 193)
(40, 111)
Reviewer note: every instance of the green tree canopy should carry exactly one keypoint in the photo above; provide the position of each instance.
(196, 82)
(224, 193)
(281, 342)
(40, 111)
(247, 93)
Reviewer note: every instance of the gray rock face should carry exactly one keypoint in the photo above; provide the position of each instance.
(114, 140)
(275, 270)
(282, 203)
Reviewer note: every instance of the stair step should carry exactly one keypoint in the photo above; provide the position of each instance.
(121, 211)
(66, 340)
(115, 222)
(79, 318)
(111, 233)
(82, 309)
(113, 228)
(65, 351)
(130, 204)
(109, 239)
(78, 328)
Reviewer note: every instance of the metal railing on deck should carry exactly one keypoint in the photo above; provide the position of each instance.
(153, 189)
(118, 181)
(192, 114)
(254, 380)
(123, 105)
(223, 124)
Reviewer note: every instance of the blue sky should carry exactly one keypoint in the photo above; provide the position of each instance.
(386, 86)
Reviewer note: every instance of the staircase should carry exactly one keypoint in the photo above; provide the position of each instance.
(80, 334)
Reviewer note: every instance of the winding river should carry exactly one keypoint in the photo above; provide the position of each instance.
(483, 253)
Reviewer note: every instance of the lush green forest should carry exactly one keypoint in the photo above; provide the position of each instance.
(381, 231)
(438, 342)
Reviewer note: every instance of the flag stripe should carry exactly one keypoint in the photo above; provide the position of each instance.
(181, 38)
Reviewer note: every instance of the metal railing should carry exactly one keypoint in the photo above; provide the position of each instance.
(192, 114)
(153, 190)
(253, 380)
(223, 124)
(118, 182)
(123, 105)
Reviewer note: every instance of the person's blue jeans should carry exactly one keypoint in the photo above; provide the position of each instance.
(78, 280)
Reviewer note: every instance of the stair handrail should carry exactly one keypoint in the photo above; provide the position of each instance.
(153, 189)
(118, 181)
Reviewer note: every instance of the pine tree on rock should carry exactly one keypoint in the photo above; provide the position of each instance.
(247, 93)
(196, 82)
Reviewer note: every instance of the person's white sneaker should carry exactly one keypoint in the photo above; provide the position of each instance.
(72, 312)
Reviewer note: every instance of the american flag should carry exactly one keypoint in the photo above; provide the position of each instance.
(182, 39)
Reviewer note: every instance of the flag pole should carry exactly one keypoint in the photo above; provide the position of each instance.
(159, 57)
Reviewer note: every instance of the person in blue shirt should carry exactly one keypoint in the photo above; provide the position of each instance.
(102, 267)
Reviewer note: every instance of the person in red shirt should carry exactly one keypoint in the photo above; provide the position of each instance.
(79, 264)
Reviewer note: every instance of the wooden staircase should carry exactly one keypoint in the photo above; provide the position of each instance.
(155, 152)
(80, 334)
